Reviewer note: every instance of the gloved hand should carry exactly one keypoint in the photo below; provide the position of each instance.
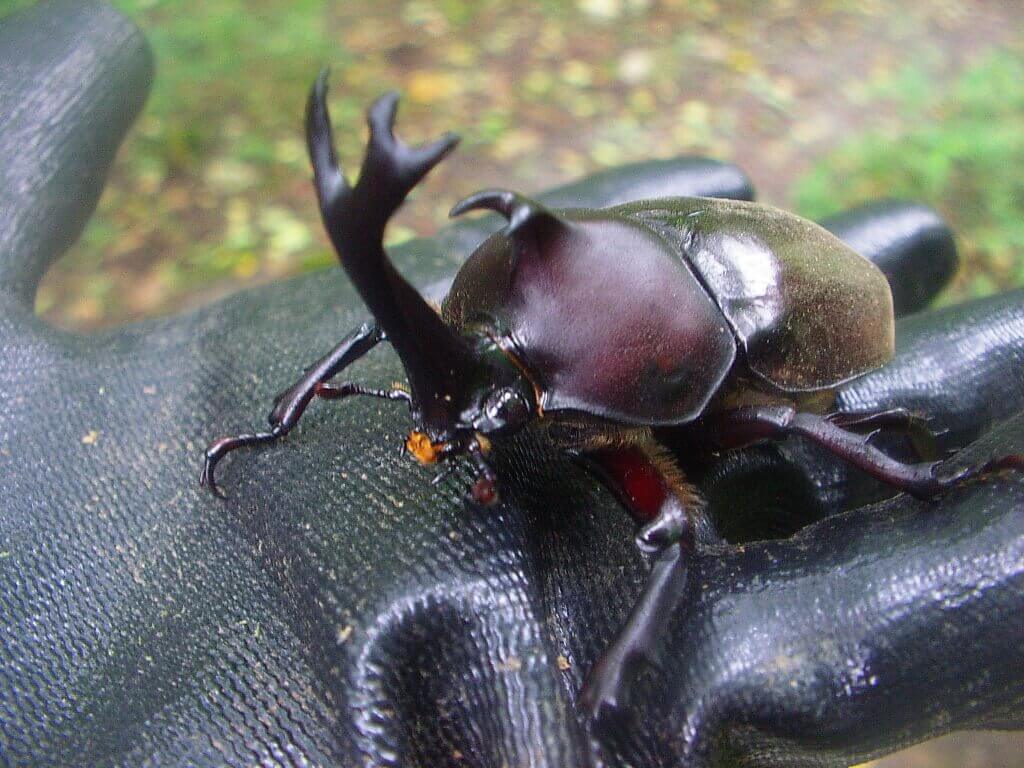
(337, 610)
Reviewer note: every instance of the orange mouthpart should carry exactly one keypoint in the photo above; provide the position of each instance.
(419, 445)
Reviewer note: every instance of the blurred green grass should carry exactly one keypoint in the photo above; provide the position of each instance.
(963, 153)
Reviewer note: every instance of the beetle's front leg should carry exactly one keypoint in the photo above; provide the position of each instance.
(290, 404)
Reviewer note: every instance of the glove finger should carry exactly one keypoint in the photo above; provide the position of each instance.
(69, 90)
(682, 176)
(679, 177)
(863, 634)
(961, 367)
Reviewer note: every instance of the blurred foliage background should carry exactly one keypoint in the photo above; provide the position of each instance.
(825, 103)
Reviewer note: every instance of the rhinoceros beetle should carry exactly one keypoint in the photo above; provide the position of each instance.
(726, 321)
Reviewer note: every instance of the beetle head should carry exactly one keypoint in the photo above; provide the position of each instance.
(494, 404)
(502, 401)
(462, 392)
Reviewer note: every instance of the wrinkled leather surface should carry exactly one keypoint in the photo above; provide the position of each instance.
(337, 610)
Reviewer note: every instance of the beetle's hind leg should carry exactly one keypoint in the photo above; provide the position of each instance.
(290, 404)
(743, 426)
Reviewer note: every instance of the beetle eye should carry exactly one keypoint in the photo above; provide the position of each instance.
(504, 408)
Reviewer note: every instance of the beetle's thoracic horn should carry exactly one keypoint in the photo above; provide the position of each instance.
(520, 212)
(436, 360)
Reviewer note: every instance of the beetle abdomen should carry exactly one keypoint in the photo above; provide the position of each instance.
(809, 312)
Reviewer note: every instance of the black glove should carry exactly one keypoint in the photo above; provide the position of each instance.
(338, 610)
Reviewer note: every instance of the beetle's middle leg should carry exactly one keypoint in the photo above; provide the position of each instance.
(607, 687)
(290, 404)
(647, 481)
(649, 484)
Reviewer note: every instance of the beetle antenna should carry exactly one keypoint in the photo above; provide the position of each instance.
(436, 361)
(520, 212)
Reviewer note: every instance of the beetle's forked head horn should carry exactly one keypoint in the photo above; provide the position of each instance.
(436, 360)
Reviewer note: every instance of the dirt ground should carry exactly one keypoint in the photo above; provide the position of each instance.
(211, 191)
